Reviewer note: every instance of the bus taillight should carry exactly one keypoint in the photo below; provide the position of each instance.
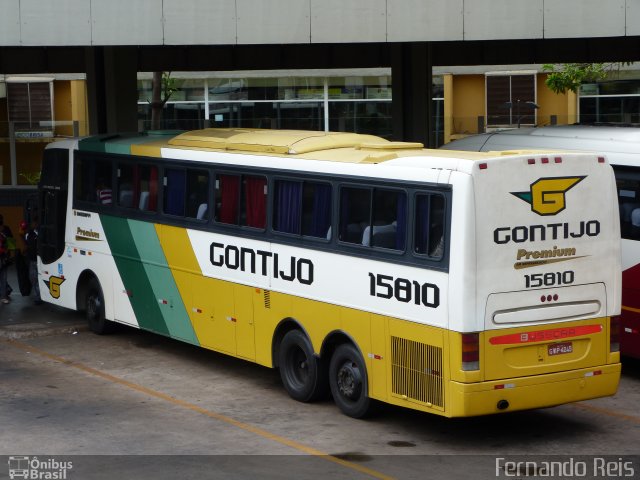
(470, 351)
(614, 334)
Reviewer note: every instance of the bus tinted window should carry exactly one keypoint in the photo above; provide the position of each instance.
(185, 192)
(373, 217)
(429, 225)
(197, 199)
(355, 212)
(241, 200)
(628, 183)
(302, 208)
(94, 181)
(138, 187)
(125, 186)
(146, 188)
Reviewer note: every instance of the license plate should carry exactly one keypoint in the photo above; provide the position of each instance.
(560, 348)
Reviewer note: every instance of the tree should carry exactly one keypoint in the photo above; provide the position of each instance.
(162, 87)
(569, 76)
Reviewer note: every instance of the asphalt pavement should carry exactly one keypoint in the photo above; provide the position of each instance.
(23, 318)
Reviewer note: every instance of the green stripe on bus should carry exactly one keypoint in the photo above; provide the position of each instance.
(162, 282)
(133, 274)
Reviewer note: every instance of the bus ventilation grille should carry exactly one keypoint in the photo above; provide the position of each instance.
(416, 371)
(267, 298)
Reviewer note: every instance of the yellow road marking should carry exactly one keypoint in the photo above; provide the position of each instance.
(606, 411)
(190, 406)
(631, 309)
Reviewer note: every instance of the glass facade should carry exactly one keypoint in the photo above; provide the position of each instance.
(353, 103)
(610, 102)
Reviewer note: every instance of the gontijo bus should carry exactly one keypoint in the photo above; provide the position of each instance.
(455, 283)
(621, 145)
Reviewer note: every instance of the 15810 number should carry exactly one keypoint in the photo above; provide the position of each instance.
(549, 279)
(403, 290)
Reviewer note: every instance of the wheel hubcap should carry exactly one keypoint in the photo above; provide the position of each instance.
(349, 381)
(300, 366)
(93, 306)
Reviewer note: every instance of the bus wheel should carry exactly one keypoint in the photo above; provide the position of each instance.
(301, 371)
(348, 380)
(94, 308)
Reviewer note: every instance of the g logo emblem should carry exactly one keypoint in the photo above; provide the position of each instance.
(547, 195)
(53, 284)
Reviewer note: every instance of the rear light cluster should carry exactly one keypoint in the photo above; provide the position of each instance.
(614, 334)
(549, 298)
(470, 351)
(545, 160)
(532, 161)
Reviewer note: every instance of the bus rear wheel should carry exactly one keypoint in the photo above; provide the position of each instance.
(348, 381)
(94, 310)
(302, 373)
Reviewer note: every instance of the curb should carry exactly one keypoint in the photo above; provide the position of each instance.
(30, 330)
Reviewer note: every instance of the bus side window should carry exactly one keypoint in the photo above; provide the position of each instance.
(125, 186)
(197, 194)
(227, 199)
(93, 181)
(146, 188)
(254, 201)
(186, 192)
(316, 210)
(355, 213)
(302, 208)
(174, 191)
(389, 220)
(429, 225)
(287, 207)
(628, 188)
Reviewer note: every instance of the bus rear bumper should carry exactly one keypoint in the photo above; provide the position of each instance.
(538, 391)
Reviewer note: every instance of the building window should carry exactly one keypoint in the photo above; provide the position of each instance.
(353, 103)
(510, 99)
(610, 102)
(29, 106)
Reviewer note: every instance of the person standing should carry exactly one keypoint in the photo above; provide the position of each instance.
(31, 241)
(6, 242)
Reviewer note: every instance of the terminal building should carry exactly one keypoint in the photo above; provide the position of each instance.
(417, 70)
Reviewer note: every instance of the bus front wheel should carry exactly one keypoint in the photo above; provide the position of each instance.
(94, 310)
(301, 371)
(348, 381)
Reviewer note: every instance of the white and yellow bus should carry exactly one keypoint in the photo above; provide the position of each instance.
(456, 283)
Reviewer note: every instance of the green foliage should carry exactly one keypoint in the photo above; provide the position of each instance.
(169, 86)
(32, 178)
(569, 76)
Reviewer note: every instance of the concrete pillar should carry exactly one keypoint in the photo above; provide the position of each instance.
(79, 112)
(412, 107)
(448, 107)
(572, 107)
(112, 89)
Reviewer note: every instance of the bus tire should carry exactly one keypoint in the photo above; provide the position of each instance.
(94, 310)
(348, 381)
(302, 373)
